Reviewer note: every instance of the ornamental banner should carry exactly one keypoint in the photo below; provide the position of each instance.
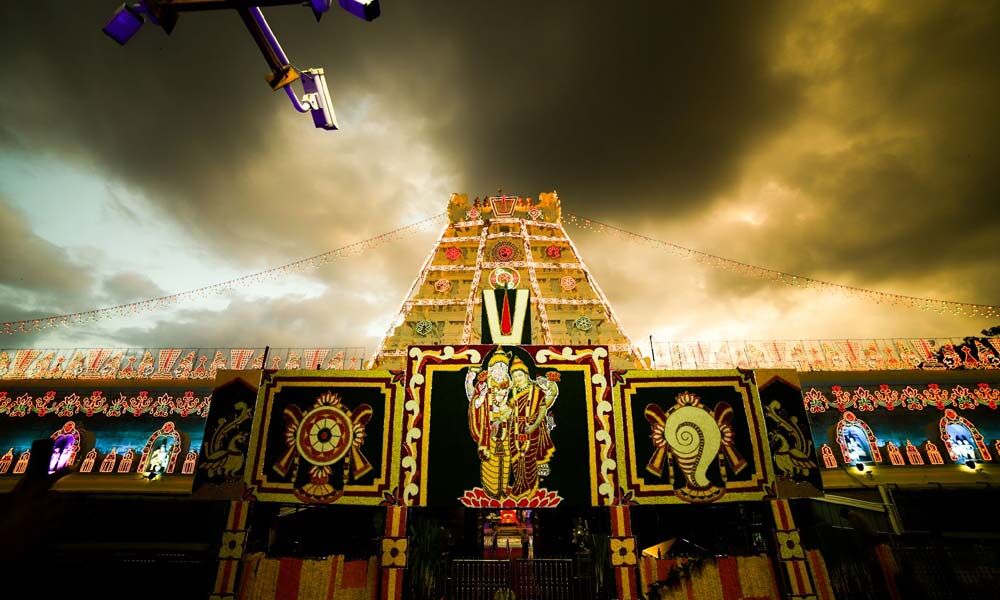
(904, 418)
(137, 435)
(508, 426)
(794, 456)
(326, 436)
(222, 460)
(691, 437)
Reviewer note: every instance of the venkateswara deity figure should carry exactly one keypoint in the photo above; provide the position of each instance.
(510, 421)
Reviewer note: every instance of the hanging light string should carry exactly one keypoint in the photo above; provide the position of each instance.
(142, 306)
(961, 309)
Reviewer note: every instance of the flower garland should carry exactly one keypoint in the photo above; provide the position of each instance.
(908, 397)
(143, 306)
(962, 309)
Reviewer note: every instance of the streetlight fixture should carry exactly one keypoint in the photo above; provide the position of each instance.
(128, 19)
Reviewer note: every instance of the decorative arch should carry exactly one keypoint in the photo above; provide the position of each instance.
(172, 437)
(5, 461)
(88, 461)
(125, 464)
(933, 454)
(913, 455)
(108, 464)
(829, 460)
(22, 463)
(189, 463)
(850, 427)
(960, 448)
(66, 445)
(895, 456)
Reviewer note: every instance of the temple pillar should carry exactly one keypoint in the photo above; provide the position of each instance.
(624, 558)
(231, 551)
(394, 553)
(794, 568)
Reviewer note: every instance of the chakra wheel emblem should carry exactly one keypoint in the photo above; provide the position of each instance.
(324, 436)
(583, 323)
(424, 328)
(317, 440)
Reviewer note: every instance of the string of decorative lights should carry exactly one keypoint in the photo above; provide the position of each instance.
(962, 309)
(142, 306)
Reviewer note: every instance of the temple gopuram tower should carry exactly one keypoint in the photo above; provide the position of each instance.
(505, 272)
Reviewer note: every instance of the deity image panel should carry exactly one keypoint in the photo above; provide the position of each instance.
(66, 445)
(514, 427)
(963, 444)
(321, 438)
(693, 437)
(855, 440)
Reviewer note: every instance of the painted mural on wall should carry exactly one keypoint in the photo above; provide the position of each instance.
(691, 437)
(796, 465)
(321, 437)
(499, 426)
(146, 429)
(915, 418)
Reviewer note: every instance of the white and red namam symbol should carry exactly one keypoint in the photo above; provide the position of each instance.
(324, 435)
(503, 206)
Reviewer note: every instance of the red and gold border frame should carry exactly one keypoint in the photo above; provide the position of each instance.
(592, 361)
(633, 484)
(797, 573)
(231, 550)
(260, 487)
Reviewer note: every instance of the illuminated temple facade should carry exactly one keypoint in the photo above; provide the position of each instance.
(522, 242)
(507, 406)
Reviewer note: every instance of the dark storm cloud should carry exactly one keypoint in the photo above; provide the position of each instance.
(32, 264)
(892, 162)
(654, 103)
(851, 141)
(647, 104)
(128, 286)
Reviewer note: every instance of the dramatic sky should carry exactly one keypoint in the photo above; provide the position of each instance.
(857, 142)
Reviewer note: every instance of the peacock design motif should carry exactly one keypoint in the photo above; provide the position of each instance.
(790, 445)
(690, 437)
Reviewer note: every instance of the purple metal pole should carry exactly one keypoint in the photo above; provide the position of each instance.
(295, 100)
(272, 41)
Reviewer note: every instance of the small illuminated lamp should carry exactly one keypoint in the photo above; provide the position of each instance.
(971, 464)
(124, 24)
(860, 467)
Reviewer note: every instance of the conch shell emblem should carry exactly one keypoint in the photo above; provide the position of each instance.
(690, 437)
